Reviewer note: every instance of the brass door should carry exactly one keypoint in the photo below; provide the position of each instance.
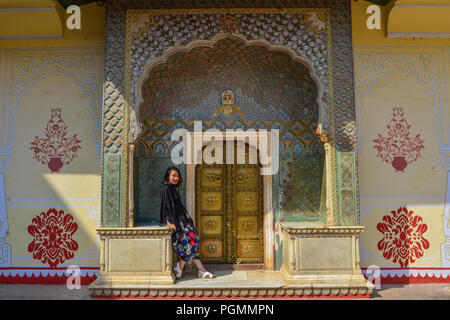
(229, 215)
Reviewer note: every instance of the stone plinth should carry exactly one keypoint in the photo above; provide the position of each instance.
(134, 258)
(318, 256)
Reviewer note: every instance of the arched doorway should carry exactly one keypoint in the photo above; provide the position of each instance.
(270, 88)
(177, 65)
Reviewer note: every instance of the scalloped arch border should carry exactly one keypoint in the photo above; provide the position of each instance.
(323, 111)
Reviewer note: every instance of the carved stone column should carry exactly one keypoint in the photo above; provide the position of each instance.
(131, 186)
(5, 249)
(445, 247)
(330, 210)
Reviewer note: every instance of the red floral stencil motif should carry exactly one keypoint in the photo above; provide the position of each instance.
(403, 240)
(55, 149)
(52, 233)
(398, 148)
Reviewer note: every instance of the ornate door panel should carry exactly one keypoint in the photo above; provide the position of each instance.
(229, 213)
(211, 213)
(248, 215)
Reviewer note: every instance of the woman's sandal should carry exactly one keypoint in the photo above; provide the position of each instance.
(178, 272)
(205, 275)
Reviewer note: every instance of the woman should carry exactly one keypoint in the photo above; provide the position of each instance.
(185, 241)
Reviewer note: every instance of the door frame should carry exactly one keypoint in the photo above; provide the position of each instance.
(267, 180)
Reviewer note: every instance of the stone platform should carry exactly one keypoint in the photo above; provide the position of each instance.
(230, 283)
(318, 261)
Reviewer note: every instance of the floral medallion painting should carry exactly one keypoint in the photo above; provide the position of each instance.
(403, 241)
(398, 148)
(56, 149)
(52, 233)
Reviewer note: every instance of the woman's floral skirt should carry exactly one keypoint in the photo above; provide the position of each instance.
(186, 243)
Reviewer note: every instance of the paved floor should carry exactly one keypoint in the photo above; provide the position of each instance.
(60, 292)
(239, 278)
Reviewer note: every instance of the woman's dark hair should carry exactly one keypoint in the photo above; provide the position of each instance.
(167, 175)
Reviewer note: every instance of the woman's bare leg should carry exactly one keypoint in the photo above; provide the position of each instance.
(200, 266)
(197, 263)
(182, 263)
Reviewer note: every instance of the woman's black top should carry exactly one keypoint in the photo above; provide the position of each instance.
(172, 209)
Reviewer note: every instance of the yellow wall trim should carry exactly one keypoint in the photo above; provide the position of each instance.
(419, 19)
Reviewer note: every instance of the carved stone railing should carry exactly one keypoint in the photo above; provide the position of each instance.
(134, 258)
(322, 256)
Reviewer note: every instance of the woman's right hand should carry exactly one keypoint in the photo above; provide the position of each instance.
(171, 225)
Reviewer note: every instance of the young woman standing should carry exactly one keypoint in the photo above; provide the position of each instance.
(185, 240)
